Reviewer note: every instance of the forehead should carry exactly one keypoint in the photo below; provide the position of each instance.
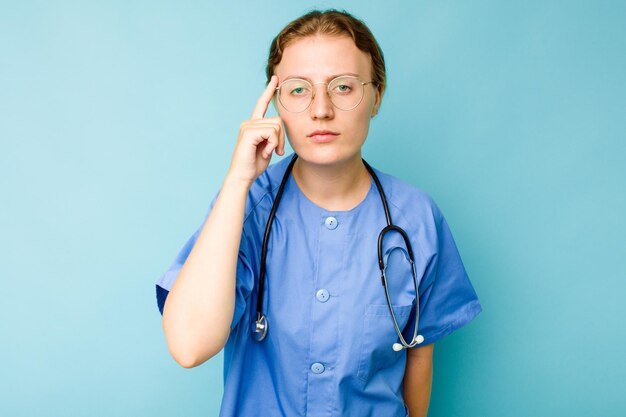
(321, 57)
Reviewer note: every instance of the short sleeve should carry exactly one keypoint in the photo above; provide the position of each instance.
(447, 298)
(165, 283)
(244, 274)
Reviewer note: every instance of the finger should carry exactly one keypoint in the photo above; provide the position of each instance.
(282, 138)
(264, 142)
(264, 101)
(280, 145)
(266, 121)
(259, 124)
(267, 144)
(262, 133)
(269, 147)
(277, 124)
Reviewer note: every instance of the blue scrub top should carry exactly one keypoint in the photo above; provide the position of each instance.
(328, 350)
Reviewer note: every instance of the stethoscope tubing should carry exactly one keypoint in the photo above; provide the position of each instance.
(260, 327)
(268, 229)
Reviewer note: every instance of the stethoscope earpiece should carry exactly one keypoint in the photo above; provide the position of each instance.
(397, 347)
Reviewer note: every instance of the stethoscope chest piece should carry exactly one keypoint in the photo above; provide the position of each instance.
(259, 327)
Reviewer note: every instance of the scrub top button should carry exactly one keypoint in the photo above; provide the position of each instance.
(317, 368)
(331, 223)
(322, 295)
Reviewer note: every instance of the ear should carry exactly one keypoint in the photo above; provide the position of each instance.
(376, 103)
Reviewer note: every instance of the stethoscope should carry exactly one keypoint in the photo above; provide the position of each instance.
(259, 327)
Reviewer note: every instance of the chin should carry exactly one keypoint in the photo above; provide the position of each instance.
(326, 154)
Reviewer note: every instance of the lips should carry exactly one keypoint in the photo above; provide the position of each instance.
(321, 136)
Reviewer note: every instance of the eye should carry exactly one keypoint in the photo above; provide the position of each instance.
(343, 88)
(297, 91)
(296, 88)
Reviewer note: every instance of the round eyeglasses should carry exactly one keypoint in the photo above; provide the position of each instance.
(345, 92)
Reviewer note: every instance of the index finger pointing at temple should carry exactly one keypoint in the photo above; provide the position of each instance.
(264, 101)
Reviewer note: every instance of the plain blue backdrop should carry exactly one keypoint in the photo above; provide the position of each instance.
(117, 124)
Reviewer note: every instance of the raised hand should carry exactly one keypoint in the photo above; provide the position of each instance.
(258, 138)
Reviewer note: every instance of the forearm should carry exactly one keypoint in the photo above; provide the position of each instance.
(418, 382)
(199, 308)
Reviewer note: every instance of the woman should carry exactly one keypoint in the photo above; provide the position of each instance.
(322, 344)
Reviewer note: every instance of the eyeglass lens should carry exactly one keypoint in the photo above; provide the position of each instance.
(296, 95)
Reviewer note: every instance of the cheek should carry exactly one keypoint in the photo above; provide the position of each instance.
(362, 122)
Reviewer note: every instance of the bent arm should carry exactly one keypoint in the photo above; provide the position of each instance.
(418, 377)
(200, 305)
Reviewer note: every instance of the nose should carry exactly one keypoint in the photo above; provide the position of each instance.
(321, 106)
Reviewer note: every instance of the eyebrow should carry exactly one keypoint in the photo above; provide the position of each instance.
(331, 77)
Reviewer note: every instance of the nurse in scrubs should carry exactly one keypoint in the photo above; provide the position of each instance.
(328, 349)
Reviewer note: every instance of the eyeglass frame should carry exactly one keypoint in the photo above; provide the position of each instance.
(363, 84)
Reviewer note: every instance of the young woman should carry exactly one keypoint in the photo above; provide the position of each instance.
(307, 326)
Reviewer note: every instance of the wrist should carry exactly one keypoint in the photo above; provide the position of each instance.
(234, 181)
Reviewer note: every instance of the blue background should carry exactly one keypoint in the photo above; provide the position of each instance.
(117, 124)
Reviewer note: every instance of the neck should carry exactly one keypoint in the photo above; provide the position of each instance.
(336, 187)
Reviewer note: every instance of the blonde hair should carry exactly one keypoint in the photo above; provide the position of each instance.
(334, 23)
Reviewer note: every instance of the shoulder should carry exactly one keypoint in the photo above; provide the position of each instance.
(410, 204)
(416, 212)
